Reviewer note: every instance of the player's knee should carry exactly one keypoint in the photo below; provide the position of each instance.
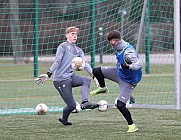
(97, 71)
(87, 81)
(120, 105)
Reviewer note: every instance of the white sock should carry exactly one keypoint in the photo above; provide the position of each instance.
(102, 88)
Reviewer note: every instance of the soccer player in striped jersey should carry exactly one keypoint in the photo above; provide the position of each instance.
(127, 73)
(64, 78)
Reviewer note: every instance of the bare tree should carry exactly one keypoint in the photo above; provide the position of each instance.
(17, 45)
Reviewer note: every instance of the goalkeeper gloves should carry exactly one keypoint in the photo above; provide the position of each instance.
(43, 78)
(124, 66)
(49, 74)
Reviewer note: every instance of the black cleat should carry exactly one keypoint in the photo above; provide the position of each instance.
(65, 123)
(88, 105)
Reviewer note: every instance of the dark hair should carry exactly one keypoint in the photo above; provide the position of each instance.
(113, 35)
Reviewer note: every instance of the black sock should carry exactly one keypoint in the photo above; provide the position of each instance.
(126, 113)
(97, 72)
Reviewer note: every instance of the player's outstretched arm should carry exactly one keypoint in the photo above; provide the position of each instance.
(43, 78)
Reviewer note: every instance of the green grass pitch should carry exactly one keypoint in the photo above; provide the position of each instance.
(19, 90)
(153, 124)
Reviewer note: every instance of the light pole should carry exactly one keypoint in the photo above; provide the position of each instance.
(101, 37)
(122, 12)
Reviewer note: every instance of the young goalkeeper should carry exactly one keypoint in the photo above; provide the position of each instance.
(127, 74)
(64, 79)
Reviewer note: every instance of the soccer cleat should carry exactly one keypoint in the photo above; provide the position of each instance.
(99, 90)
(64, 123)
(132, 128)
(88, 105)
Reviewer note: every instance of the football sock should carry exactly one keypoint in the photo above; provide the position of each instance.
(102, 88)
(97, 72)
(126, 113)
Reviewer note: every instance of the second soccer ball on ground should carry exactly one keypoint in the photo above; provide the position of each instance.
(77, 108)
(41, 109)
(103, 105)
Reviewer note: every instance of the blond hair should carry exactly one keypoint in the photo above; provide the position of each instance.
(71, 29)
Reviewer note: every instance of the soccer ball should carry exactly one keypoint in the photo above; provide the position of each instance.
(77, 108)
(78, 63)
(103, 105)
(41, 109)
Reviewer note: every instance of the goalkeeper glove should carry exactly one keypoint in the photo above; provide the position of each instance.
(43, 78)
(124, 66)
(49, 74)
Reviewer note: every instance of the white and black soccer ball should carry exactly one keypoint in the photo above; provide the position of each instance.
(41, 109)
(77, 108)
(103, 105)
(78, 63)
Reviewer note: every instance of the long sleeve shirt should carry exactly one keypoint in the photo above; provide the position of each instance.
(61, 67)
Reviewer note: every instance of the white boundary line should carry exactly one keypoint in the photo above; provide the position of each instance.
(145, 75)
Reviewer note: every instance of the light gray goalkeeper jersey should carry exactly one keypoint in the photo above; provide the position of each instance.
(61, 67)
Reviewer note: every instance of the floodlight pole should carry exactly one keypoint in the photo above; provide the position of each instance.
(92, 32)
(101, 37)
(141, 26)
(122, 13)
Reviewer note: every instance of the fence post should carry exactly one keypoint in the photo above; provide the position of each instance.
(92, 32)
(35, 39)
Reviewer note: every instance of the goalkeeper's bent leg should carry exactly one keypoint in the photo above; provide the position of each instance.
(66, 94)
